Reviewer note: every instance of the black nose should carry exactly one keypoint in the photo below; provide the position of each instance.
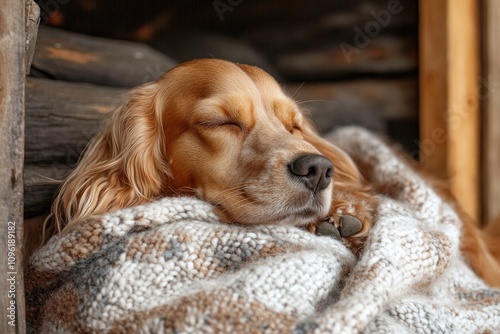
(314, 170)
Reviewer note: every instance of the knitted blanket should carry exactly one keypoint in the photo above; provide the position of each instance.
(172, 267)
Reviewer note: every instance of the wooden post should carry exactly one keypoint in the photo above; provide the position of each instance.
(490, 87)
(13, 67)
(450, 98)
(32, 19)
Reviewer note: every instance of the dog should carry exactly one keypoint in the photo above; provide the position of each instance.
(228, 134)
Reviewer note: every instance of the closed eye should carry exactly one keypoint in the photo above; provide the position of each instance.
(213, 124)
(232, 123)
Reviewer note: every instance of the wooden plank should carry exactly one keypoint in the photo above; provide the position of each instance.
(463, 104)
(76, 57)
(449, 103)
(491, 122)
(12, 76)
(433, 87)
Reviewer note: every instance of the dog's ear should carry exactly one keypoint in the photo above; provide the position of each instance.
(345, 168)
(123, 165)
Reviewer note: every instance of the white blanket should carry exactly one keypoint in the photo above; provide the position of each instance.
(171, 267)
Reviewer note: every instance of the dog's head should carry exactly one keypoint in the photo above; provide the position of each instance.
(223, 132)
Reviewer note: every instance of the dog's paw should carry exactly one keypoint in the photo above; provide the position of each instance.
(350, 218)
(349, 226)
(327, 228)
(345, 227)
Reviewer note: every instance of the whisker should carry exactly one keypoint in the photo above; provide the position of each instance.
(174, 191)
(218, 203)
(234, 189)
(297, 90)
(236, 203)
(240, 205)
(300, 102)
(240, 209)
(188, 189)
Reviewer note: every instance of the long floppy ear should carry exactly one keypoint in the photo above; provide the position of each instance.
(123, 165)
(345, 168)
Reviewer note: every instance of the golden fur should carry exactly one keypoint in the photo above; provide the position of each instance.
(225, 133)
(209, 128)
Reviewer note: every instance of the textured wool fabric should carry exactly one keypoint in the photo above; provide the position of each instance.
(171, 267)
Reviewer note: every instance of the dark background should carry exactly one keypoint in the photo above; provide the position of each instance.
(302, 43)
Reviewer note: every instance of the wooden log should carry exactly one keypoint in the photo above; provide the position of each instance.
(61, 118)
(75, 57)
(12, 77)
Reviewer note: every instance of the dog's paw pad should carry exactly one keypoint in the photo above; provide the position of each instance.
(349, 225)
(326, 228)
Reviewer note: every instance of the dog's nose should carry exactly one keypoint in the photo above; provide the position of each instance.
(314, 170)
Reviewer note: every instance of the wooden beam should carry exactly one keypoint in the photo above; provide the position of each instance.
(433, 87)
(491, 123)
(463, 104)
(12, 76)
(449, 98)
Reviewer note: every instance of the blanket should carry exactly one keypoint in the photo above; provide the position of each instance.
(171, 267)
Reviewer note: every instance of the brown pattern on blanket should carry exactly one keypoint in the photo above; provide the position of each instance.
(219, 312)
(170, 266)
